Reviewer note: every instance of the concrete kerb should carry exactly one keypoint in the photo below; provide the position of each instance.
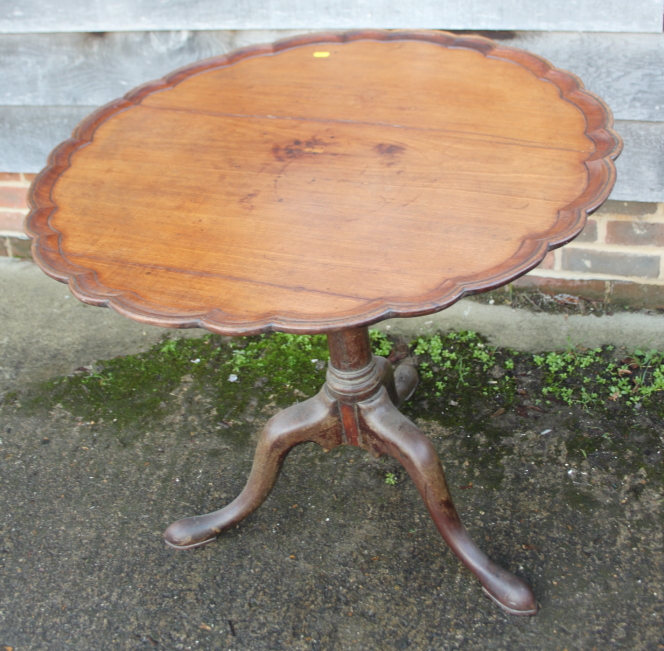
(532, 332)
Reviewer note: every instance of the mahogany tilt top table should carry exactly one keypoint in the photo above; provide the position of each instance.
(318, 185)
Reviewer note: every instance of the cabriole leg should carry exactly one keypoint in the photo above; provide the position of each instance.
(400, 382)
(385, 430)
(312, 420)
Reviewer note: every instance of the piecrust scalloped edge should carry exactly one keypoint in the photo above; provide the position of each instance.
(570, 222)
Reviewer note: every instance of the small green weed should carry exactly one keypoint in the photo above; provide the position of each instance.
(591, 378)
(390, 478)
(381, 345)
(460, 360)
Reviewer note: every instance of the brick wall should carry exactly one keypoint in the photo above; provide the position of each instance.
(13, 209)
(618, 258)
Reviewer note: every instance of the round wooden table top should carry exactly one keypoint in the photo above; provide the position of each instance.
(323, 182)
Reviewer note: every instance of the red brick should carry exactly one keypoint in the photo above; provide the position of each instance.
(13, 197)
(589, 233)
(14, 247)
(611, 263)
(637, 295)
(631, 208)
(639, 233)
(9, 176)
(548, 262)
(11, 221)
(20, 248)
(592, 290)
(617, 292)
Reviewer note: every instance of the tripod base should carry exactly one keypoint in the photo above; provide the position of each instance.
(359, 406)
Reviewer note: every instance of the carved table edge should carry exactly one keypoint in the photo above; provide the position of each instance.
(571, 219)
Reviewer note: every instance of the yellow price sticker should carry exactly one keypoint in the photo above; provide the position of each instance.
(321, 55)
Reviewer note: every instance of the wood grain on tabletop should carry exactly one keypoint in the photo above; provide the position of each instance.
(326, 184)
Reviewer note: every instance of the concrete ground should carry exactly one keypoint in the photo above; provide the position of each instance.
(336, 558)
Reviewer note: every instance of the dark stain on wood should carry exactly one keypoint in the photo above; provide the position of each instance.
(298, 149)
(389, 150)
(247, 200)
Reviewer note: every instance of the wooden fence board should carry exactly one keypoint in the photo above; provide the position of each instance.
(30, 16)
(29, 133)
(641, 164)
(92, 69)
(626, 70)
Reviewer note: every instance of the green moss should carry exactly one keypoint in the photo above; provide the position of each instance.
(465, 382)
(457, 360)
(10, 398)
(233, 375)
(381, 344)
(284, 364)
(582, 445)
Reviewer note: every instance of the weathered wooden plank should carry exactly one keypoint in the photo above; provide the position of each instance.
(92, 69)
(641, 164)
(29, 16)
(626, 70)
(28, 134)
